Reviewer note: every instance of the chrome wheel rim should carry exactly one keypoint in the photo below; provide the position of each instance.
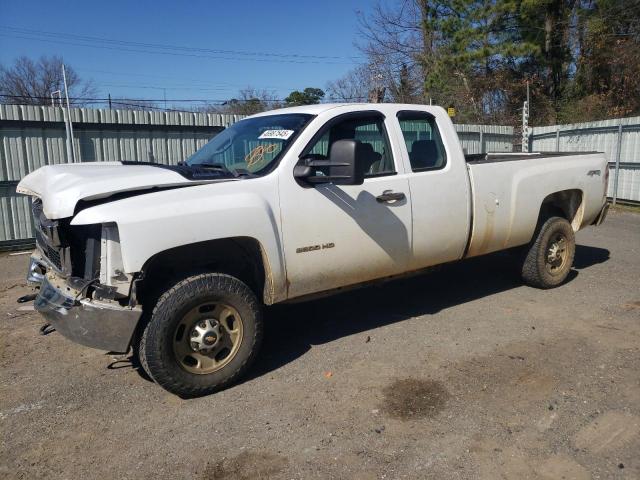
(556, 254)
(207, 337)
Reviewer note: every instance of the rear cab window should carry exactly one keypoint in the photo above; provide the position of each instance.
(422, 139)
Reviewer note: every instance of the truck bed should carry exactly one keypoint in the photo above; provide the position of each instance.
(507, 193)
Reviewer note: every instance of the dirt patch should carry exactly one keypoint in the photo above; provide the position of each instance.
(11, 287)
(246, 466)
(631, 305)
(563, 466)
(517, 374)
(413, 398)
(611, 431)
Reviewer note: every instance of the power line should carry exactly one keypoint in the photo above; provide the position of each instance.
(175, 54)
(90, 100)
(168, 46)
(156, 87)
(95, 100)
(144, 107)
(154, 52)
(163, 49)
(190, 80)
(98, 99)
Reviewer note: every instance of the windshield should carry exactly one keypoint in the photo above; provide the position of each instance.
(251, 145)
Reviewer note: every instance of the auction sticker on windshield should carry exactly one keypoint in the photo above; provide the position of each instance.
(280, 134)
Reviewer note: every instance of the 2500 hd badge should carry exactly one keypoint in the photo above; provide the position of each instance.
(315, 247)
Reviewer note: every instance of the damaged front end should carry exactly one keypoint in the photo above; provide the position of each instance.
(84, 292)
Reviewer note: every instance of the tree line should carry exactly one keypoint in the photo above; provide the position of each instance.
(577, 57)
(40, 82)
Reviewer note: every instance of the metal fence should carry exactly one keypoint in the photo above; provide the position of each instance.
(485, 138)
(618, 138)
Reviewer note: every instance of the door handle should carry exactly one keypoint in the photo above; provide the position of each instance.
(390, 196)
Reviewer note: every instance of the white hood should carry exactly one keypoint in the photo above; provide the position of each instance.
(61, 186)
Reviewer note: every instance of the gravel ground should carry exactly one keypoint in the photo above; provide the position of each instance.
(463, 373)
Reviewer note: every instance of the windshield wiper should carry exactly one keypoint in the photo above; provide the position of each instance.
(214, 166)
(241, 172)
(236, 172)
(220, 167)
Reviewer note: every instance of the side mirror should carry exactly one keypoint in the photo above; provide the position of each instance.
(345, 165)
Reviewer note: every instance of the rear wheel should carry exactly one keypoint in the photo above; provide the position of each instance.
(203, 335)
(550, 256)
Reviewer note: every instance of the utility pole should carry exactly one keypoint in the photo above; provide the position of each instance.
(525, 126)
(109, 101)
(525, 122)
(58, 94)
(70, 153)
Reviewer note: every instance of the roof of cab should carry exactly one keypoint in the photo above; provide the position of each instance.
(308, 109)
(319, 108)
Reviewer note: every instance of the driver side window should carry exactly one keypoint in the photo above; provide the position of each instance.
(368, 130)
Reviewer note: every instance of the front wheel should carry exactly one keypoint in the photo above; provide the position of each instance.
(203, 335)
(550, 256)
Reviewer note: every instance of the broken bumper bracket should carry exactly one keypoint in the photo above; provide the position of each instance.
(101, 325)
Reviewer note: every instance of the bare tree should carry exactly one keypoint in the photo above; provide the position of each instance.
(249, 101)
(31, 82)
(393, 39)
(353, 87)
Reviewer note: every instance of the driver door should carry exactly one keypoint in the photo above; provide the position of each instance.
(339, 235)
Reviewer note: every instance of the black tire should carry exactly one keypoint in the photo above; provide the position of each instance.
(156, 349)
(538, 270)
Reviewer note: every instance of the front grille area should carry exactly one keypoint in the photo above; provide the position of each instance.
(73, 251)
(51, 253)
(36, 208)
(43, 242)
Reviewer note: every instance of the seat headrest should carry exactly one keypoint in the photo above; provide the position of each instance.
(424, 153)
(366, 148)
(369, 156)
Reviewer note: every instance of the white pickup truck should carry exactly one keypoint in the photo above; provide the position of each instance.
(177, 261)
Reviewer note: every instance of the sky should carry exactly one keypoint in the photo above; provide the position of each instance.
(217, 46)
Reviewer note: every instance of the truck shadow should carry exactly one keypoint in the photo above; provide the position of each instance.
(292, 329)
(374, 218)
(587, 256)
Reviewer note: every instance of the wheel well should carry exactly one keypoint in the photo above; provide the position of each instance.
(566, 204)
(240, 257)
